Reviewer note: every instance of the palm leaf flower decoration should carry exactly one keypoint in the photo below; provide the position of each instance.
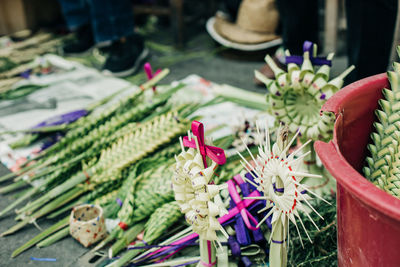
(196, 197)
(296, 96)
(382, 166)
(279, 176)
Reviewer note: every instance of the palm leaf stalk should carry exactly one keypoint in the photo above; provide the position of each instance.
(61, 224)
(98, 192)
(110, 208)
(28, 178)
(73, 193)
(381, 167)
(54, 238)
(128, 237)
(108, 200)
(162, 218)
(44, 185)
(123, 153)
(101, 201)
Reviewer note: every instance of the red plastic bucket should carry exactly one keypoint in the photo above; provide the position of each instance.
(368, 218)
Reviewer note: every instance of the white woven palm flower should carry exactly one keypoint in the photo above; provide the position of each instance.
(279, 178)
(295, 97)
(195, 196)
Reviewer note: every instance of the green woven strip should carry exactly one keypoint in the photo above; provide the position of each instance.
(153, 194)
(162, 218)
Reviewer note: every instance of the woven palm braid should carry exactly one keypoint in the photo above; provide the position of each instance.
(83, 137)
(153, 192)
(383, 166)
(136, 145)
(162, 218)
(123, 153)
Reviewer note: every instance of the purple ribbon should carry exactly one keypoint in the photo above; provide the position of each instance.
(242, 219)
(58, 120)
(63, 118)
(234, 246)
(25, 74)
(51, 140)
(119, 201)
(251, 177)
(187, 263)
(280, 190)
(246, 261)
(316, 61)
(242, 234)
(43, 259)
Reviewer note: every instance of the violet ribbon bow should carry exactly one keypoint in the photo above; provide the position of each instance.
(214, 153)
(316, 61)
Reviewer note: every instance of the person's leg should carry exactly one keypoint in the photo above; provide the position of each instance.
(76, 13)
(299, 21)
(77, 17)
(111, 19)
(370, 28)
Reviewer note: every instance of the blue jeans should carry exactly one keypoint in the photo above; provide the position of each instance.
(110, 19)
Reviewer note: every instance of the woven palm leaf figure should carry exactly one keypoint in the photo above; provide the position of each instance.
(382, 166)
(279, 177)
(198, 199)
(194, 195)
(295, 97)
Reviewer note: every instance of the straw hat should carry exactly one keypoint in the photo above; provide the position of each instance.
(256, 23)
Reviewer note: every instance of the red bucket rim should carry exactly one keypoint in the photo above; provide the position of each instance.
(347, 176)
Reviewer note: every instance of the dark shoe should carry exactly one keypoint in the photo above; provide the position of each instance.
(82, 44)
(125, 56)
(267, 71)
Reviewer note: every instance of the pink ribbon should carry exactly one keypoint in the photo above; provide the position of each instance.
(149, 72)
(208, 264)
(239, 202)
(216, 154)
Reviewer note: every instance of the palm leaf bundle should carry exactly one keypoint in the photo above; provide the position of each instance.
(382, 165)
(124, 152)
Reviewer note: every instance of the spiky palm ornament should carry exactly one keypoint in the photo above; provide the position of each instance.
(279, 177)
(382, 166)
